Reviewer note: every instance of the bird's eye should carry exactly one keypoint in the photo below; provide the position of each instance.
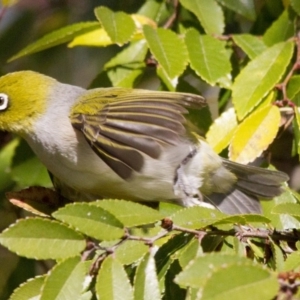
(3, 101)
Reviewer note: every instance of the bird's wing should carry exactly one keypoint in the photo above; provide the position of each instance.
(121, 124)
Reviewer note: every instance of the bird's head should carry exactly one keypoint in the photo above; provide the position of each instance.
(23, 99)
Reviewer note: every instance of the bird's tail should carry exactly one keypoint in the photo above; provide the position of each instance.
(252, 183)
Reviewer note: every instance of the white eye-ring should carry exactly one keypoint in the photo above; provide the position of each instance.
(3, 101)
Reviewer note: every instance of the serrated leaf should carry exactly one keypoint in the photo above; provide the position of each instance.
(196, 217)
(146, 286)
(278, 259)
(130, 251)
(167, 208)
(208, 56)
(255, 134)
(91, 220)
(161, 43)
(112, 281)
(166, 255)
(280, 221)
(244, 8)
(119, 26)
(222, 130)
(243, 219)
(128, 65)
(292, 209)
(66, 280)
(202, 267)
(189, 252)
(57, 37)
(42, 239)
(293, 87)
(135, 53)
(209, 13)
(130, 213)
(259, 77)
(252, 45)
(170, 83)
(30, 290)
(240, 281)
(292, 262)
(280, 30)
(296, 6)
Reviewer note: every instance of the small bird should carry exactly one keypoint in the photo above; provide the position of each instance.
(127, 144)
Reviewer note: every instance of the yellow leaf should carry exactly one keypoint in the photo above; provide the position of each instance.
(222, 130)
(100, 38)
(255, 134)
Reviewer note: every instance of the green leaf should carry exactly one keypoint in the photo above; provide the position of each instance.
(209, 13)
(6, 156)
(161, 43)
(196, 217)
(259, 77)
(255, 134)
(292, 209)
(222, 130)
(281, 30)
(250, 44)
(277, 258)
(280, 221)
(130, 213)
(66, 280)
(112, 281)
(95, 38)
(244, 8)
(91, 220)
(146, 286)
(30, 289)
(296, 126)
(134, 54)
(189, 252)
(202, 267)
(24, 160)
(293, 87)
(124, 69)
(166, 255)
(170, 83)
(155, 10)
(240, 281)
(57, 37)
(296, 6)
(208, 57)
(167, 208)
(130, 251)
(119, 26)
(42, 239)
(292, 262)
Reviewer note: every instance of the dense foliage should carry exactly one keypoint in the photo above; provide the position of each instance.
(244, 57)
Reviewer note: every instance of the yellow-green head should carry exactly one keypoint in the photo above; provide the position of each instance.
(23, 98)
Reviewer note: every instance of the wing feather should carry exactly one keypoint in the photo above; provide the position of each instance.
(123, 124)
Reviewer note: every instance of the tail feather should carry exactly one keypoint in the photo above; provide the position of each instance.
(252, 183)
(234, 202)
(259, 182)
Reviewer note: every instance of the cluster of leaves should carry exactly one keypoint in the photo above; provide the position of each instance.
(115, 249)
